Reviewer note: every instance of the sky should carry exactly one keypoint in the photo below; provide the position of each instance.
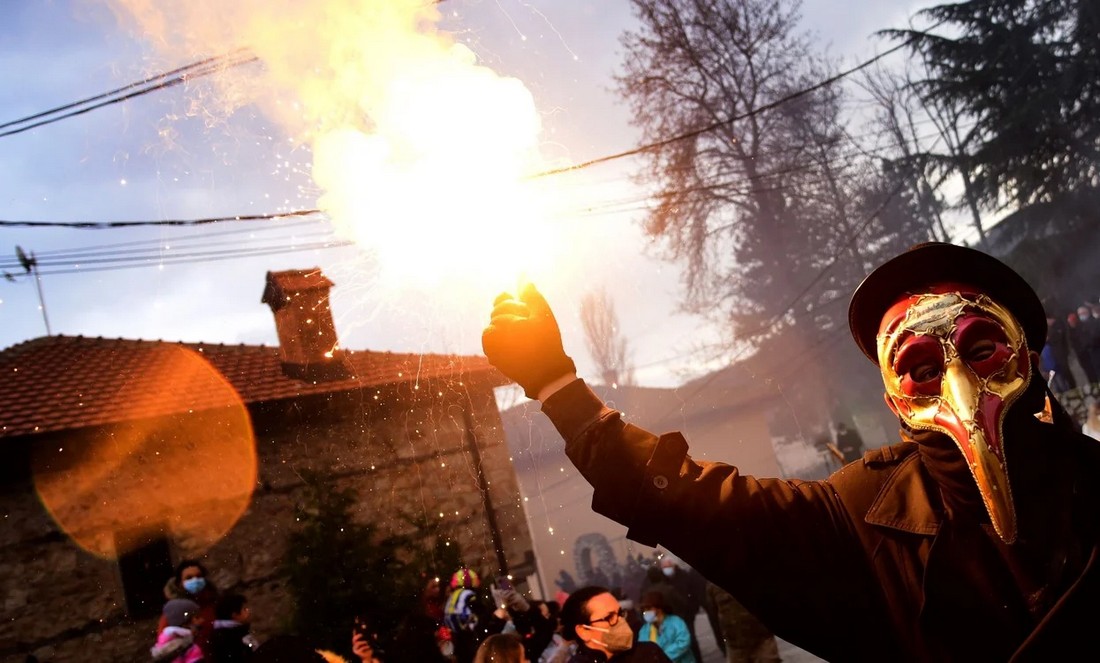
(180, 154)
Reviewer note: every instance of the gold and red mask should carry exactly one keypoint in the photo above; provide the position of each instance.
(954, 361)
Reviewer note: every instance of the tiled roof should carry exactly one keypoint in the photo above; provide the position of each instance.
(61, 382)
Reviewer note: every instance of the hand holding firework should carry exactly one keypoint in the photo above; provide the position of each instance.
(523, 341)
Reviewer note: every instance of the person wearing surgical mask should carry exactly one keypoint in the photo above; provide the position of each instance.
(191, 581)
(667, 630)
(594, 620)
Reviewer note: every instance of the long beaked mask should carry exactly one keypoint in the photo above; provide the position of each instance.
(955, 362)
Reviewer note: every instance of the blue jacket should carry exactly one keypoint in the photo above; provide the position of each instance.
(672, 637)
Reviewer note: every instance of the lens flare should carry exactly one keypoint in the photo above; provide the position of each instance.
(188, 475)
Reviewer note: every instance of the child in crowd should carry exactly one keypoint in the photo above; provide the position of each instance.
(176, 641)
(231, 641)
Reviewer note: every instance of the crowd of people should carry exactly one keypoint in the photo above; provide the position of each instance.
(1075, 338)
(467, 621)
(1072, 336)
(198, 623)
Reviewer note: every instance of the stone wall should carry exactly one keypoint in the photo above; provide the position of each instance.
(405, 451)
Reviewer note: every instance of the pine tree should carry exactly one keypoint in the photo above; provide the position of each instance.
(338, 568)
(1022, 80)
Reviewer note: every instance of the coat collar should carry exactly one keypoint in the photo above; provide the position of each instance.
(903, 502)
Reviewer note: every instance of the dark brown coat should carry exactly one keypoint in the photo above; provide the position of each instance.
(862, 567)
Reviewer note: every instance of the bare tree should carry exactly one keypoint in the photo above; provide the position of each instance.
(898, 116)
(763, 208)
(606, 345)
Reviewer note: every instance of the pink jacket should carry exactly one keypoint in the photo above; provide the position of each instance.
(176, 644)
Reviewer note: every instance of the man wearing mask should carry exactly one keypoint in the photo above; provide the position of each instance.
(972, 539)
(594, 620)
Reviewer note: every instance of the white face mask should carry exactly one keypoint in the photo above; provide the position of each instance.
(668, 570)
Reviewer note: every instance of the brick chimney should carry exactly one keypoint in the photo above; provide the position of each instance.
(308, 347)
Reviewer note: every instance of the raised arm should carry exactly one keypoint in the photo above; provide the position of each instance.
(786, 549)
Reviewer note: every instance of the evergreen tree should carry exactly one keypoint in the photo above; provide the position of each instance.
(1021, 78)
(337, 568)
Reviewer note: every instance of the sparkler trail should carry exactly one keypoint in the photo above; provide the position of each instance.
(549, 24)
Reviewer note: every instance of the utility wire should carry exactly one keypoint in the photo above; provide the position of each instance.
(156, 241)
(721, 123)
(157, 252)
(136, 89)
(586, 164)
(202, 258)
(160, 222)
(154, 258)
(110, 93)
(591, 210)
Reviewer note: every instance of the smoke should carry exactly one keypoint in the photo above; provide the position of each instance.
(421, 153)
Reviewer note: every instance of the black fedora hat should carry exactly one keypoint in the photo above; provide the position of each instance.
(936, 262)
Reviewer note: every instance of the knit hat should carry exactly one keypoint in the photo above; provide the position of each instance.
(178, 612)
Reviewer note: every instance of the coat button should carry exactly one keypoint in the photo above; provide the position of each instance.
(660, 481)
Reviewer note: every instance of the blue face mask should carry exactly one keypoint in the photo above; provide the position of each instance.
(194, 585)
(649, 616)
(668, 570)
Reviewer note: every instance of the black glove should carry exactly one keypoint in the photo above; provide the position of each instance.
(523, 341)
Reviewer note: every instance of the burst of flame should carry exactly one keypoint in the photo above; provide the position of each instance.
(420, 151)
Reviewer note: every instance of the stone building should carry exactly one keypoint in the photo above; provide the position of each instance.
(123, 456)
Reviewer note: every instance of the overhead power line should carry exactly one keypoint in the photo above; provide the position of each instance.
(201, 257)
(159, 222)
(736, 118)
(163, 250)
(635, 203)
(136, 89)
(179, 239)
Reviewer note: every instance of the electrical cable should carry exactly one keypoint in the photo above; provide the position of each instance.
(203, 259)
(718, 125)
(166, 80)
(160, 222)
(149, 253)
(110, 93)
(181, 238)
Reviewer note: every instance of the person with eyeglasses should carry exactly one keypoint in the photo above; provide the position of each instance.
(593, 619)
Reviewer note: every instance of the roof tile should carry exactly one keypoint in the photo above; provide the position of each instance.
(61, 382)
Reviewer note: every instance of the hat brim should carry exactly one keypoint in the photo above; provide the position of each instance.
(928, 264)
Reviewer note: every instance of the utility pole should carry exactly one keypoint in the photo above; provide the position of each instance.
(483, 485)
(30, 266)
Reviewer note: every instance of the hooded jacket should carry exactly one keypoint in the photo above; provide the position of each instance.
(207, 598)
(175, 644)
(869, 565)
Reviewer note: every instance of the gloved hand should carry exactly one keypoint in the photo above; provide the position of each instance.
(523, 341)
